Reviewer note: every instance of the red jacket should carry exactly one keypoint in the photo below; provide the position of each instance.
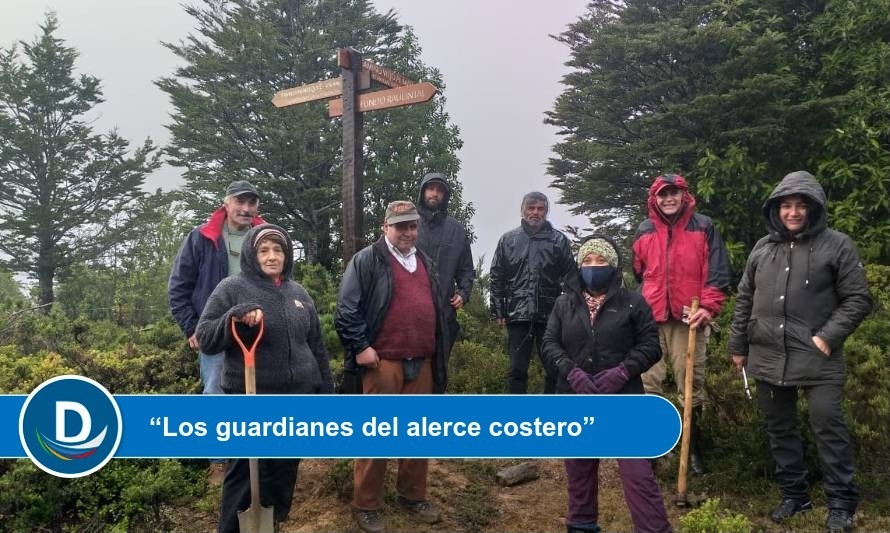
(677, 261)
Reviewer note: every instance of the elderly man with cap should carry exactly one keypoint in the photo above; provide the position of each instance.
(209, 253)
(445, 240)
(679, 255)
(525, 274)
(393, 329)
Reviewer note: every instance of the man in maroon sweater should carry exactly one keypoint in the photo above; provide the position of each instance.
(392, 327)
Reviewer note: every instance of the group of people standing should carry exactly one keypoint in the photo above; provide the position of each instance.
(802, 293)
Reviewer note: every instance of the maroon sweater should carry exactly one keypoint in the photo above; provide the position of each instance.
(409, 327)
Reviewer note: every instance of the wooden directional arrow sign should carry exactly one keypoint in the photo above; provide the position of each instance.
(316, 91)
(385, 76)
(396, 97)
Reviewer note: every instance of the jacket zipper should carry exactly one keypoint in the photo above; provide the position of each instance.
(785, 315)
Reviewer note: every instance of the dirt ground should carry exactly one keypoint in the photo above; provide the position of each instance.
(466, 492)
(470, 500)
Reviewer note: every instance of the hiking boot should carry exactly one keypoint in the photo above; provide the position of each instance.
(422, 509)
(790, 507)
(369, 521)
(839, 521)
(696, 465)
(216, 473)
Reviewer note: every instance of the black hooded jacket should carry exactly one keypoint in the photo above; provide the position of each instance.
(796, 287)
(445, 240)
(291, 357)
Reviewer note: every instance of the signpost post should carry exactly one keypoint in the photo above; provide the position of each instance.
(356, 75)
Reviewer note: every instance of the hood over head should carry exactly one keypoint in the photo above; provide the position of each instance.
(670, 180)
(250, 266)
(803, 183)
(437, 177)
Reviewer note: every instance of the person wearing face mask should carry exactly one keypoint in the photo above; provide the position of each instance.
(524, 283)
(290, 358)
(601, 337)
(804, 291)
(679, 255)
(208, 254)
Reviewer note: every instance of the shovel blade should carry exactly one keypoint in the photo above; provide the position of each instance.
(256, 520)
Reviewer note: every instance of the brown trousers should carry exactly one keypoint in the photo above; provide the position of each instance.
(369, 474)
(674, 337)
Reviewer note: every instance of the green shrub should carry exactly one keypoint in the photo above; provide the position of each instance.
(710, 518)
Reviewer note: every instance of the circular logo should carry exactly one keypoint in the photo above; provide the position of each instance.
(70, 426)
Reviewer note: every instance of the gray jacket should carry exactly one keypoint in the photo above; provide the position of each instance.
(795, 287)
(291, 357)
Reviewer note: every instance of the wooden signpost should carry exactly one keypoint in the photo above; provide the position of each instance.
(395, 97)
(316, 91)
(356, 75)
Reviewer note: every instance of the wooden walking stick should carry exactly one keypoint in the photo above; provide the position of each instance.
(681, 500)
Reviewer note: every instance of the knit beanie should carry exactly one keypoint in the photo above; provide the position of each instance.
(272, 234)
(600, 247)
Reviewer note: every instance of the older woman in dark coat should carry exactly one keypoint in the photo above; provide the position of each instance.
(290, 358)
(601, 337)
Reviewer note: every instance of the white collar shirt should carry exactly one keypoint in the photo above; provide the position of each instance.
(408, 260)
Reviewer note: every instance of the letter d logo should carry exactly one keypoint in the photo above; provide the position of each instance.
(62, 409)
(70, 426)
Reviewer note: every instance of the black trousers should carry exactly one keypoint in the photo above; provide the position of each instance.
(825, 405)
(278, 478)
(520, 338)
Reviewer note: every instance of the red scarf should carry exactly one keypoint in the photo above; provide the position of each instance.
(594, 303)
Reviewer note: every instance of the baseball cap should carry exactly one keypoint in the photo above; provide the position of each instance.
(400, 211)
(240, 187)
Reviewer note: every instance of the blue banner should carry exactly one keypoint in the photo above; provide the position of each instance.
(320, 426)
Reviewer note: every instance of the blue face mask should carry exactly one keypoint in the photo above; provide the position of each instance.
(597, 278)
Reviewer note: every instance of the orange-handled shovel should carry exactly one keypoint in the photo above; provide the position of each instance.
(256, 519)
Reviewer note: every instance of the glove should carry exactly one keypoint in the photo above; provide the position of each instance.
(581, 383)
(611, 380)
(563, 366)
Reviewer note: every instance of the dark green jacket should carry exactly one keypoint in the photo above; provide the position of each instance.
(795, 287)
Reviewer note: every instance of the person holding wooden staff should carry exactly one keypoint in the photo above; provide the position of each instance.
(679, 255)
(601, 337)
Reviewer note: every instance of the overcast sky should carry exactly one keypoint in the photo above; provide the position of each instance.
(501, 68)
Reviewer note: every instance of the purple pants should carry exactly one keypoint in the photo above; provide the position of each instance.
(641, 493)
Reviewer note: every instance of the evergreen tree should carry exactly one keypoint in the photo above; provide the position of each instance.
(61, 183)
(734, 96)
(225, 127)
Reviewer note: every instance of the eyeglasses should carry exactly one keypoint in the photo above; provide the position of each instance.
(233, 253)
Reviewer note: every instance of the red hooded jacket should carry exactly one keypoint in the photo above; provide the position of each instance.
(680, 258)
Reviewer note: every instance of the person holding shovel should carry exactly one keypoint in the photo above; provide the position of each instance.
(679, 255)
(601, 337)
(290, 356)
(803, 293)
